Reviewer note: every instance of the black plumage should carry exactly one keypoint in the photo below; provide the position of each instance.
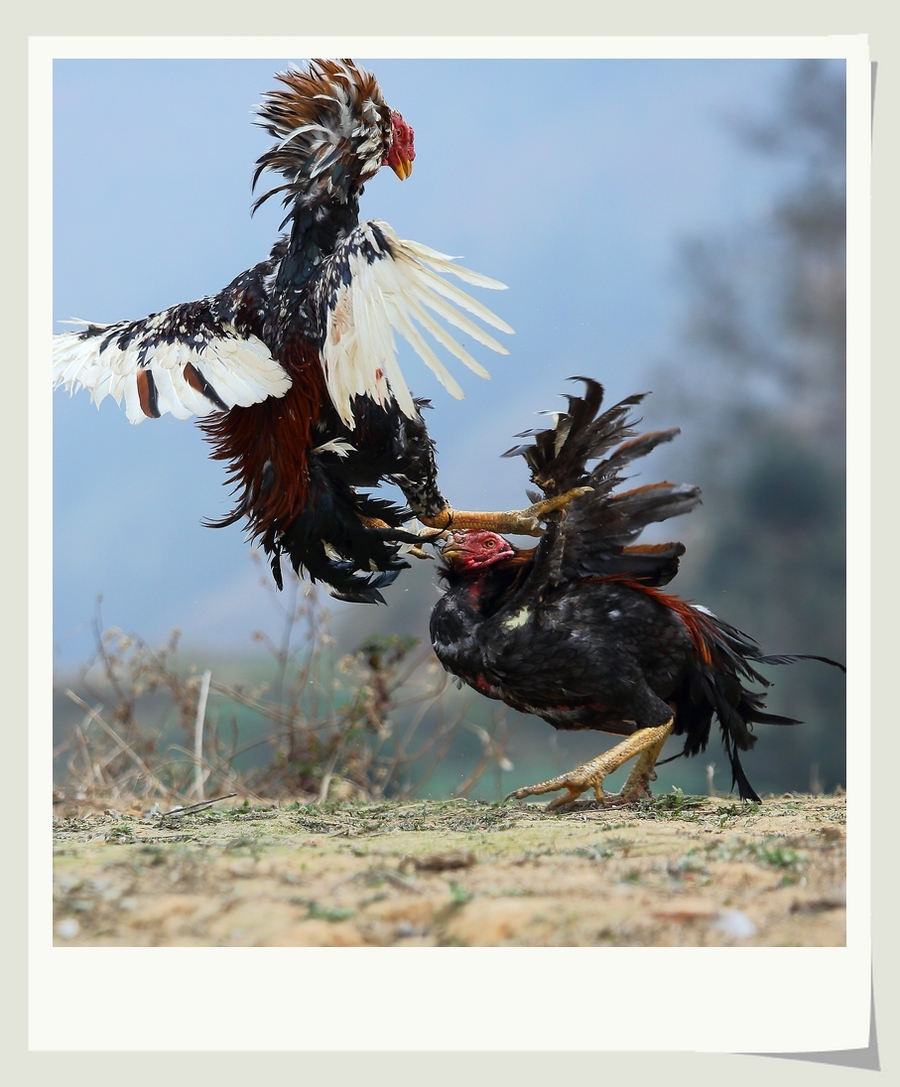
(579, 630)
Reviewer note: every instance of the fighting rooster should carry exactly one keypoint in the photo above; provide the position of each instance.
(579, 631)
(292, 367)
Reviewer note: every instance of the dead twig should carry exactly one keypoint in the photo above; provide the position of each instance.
(199, 775)
(191, 809)
(138, 761)
(373, 718)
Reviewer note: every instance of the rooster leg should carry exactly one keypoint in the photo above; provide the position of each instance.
(415, 550)
(646, 743)
(525, 522)
(637, 787)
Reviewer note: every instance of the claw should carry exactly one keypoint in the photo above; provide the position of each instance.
(374, 522)
(418, 553)
(412, 540)
(647, 743)
(540, 511)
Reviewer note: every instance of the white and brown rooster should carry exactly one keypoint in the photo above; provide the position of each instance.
(292, 367)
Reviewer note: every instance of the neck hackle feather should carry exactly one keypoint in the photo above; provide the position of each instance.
(333, 129)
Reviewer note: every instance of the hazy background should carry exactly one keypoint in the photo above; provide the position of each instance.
(666, 225)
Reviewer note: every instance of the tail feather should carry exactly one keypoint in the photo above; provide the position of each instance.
(715, 688)
(335, 542)
(789, 658)
(738, 776)
(595, 534)
(343, 577)
(559, 455)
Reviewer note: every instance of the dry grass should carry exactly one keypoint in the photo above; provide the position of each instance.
(324, 724)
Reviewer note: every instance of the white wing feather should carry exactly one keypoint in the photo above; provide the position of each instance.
(377, 284)
(238, 368)
(372, 286)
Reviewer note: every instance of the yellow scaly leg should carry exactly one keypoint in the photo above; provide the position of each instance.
(646, 742)
(525, 522)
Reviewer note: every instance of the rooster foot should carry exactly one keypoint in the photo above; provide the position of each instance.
(414, 548)
(647, 744)
(525, 522)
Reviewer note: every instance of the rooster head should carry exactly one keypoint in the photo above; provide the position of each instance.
(334, 131)
(402, 150)
(471, 550)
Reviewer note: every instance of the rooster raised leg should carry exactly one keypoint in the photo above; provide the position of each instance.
(647, 743)
(525, 522)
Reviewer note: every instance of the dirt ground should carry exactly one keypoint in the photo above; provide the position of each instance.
(687, 871)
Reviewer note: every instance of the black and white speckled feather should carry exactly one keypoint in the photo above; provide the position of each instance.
(191, 359)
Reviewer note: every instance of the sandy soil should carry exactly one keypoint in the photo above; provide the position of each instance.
(683, 871)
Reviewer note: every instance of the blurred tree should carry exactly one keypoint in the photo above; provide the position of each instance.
(761, 401)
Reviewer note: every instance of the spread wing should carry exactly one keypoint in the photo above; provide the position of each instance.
(191, 359)
(374, 285)
(595, 535)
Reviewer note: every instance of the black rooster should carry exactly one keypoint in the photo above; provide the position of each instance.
(292, 366)
(578, 630)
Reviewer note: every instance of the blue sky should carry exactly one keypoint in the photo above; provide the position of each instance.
(571, 181)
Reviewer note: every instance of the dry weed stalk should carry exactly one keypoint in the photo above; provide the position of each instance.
(370, 724)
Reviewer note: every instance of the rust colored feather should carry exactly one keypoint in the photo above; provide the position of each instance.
(695, 622)
(147, 394)
(333, 129)
(267, 445)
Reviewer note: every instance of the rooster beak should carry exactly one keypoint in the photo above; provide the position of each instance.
(452, 548)
(401, 166)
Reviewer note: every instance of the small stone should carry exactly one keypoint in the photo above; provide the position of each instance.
(68, 929)
(445, 862)
(734, 923)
